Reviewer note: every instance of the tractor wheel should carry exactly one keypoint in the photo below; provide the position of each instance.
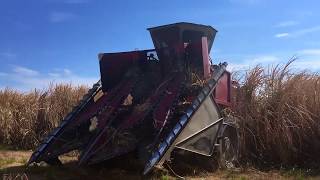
(229, 148)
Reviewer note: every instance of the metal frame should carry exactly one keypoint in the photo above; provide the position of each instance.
(199, 132)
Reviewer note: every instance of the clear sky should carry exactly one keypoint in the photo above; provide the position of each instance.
(44, 41)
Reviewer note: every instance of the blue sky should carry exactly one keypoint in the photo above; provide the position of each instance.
(44, 41)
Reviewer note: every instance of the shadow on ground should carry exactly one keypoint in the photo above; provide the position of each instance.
(119, 168)
(70, 171)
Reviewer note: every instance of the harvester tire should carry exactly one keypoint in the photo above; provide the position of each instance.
(229, 147)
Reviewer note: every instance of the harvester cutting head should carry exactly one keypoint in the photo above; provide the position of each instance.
(153, 103)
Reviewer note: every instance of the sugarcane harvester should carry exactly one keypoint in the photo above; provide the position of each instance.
(153, 102)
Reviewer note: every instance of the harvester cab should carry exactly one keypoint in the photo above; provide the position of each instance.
(152, 102)
(183, 46)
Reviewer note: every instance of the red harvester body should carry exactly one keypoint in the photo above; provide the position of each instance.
(152, 102)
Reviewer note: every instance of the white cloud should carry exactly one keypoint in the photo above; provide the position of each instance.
(281, 35)
(7, 55)
(2, 74)
(311, 64)
(253, 61)
(24, 71)
(300, 32)
(69, 1)
(54, 75)
(60, 73)
(25, 79)
(76, 1)
(306, 31)
(264, 59)
(305, 63)
(246, 1)
(57, 17)
(304, 13)
(237, 66)
(287, 23)
(310, 52)
(309, 59)
(67, 72)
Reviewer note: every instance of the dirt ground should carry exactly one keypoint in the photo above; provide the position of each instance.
(12, 166)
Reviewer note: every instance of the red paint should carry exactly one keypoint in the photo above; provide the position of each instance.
(223, 90)
(166, 103)
(205, 58)
(113, 66)
(137, 116)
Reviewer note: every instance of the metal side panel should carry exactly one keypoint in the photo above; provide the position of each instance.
(205, 122)
(165, 146)
(200, 133)
(202, 142)
(204, 116)
(203, 119)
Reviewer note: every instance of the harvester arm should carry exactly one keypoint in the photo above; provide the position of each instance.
(40, 153)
